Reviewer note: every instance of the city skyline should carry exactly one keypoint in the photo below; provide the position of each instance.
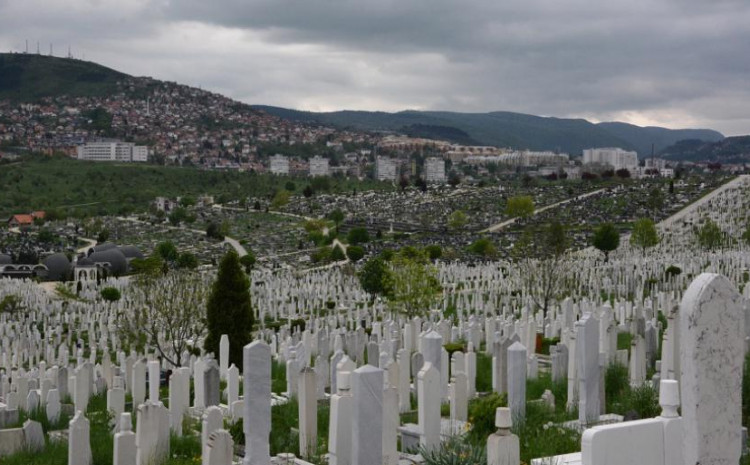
(646, 62)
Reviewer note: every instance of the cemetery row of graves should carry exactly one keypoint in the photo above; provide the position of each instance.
(634, 359)
(296, 236)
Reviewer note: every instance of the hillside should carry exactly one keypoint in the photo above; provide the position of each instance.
(89, 188)
(504, 129)
(729, 150)
(642, 137)
(28, 77)
(193, 116)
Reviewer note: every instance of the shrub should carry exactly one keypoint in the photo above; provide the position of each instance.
(673, 270)
(482, 415)
(248, 261)
(434, 251)
(111, 294)
(355, 253)
(483, 247)
(358, 236)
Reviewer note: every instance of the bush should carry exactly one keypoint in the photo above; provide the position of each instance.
(482, 415)
(187, 260)
(248, 261)
(434, 251)
(673, 270)
(355, 253)
(321, 255)
(213, 231)
(358, 236)
(483, 247)
(111, 294)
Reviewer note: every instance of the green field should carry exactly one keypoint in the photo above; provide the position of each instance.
(79, 188)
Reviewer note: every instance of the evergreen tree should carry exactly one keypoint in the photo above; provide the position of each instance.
(229, 310)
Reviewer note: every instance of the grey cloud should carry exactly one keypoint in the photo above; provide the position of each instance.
(675, 62)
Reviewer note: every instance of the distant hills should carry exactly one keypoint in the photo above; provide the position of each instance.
(729, 150)
(504, 129)
(29, 77)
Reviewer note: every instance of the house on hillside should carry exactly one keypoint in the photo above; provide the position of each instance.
(25, 220)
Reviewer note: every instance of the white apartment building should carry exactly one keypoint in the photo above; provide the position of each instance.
(615, 157)
(434, 170)
(318, 166)
(279, 165)
(656, 163)
(523, 158)
(385, 169)
(113, 151)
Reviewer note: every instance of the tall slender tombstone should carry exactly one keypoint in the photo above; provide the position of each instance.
(179, 397)
(429, 392)
(390, 423)
(308, 412)
(139, 383)
(223, 355)
(587, 355)
(432, 349)
(712, 354)
(211, 384)
(154, 372)
(572, 373)
(404, 381)
(340, 423)
(367, 428)
(256, 374)
(517, 381)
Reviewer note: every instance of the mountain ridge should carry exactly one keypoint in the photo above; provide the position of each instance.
(31, 77)
(508, 129)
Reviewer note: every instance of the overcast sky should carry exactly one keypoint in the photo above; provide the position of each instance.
(673, 63)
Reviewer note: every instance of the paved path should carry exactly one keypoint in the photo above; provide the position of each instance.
(499, 226)
(85, 249)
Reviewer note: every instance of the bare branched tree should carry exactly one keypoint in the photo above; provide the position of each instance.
(541, 257)
(166, 313)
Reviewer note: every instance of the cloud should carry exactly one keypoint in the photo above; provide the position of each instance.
(676, 63)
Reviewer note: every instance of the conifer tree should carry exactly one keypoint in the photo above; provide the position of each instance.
(229, 310)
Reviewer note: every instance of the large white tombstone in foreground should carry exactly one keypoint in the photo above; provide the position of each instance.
(367, 428)
(712, 353)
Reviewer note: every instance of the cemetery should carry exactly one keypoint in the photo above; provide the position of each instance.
(639, 358)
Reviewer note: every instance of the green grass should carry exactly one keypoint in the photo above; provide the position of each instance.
(539, 437)
(623, 341)
(54, 453)
(484, 372)
(278, 377)
(40, 415)
(621, 398)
